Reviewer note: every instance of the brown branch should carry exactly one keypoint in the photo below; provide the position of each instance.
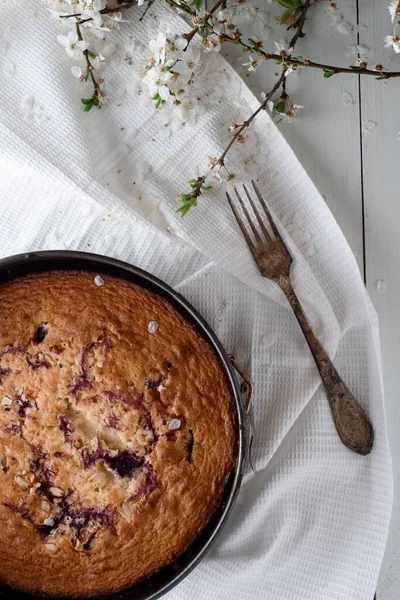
(104, 11)
(335, 70)
(287, 60)
(276, 87)
(284, 80)
(300, 24)
(251, 118)
(149, 5)
(97, 90)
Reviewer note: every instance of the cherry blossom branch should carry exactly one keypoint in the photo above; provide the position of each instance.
(329, 70)
(189, 200)
(98, 96)
(299, 33)
(243, 127)
(284, 80)
(300, 24)
(104, 11)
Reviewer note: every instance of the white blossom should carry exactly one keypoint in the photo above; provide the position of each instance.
(392, 41)
(73, 45)
(158, 48)
(212, 43)
(251, 65)
(185, 67)
(394, 9)
(77, 72)
(362, 62)
(91, 8)
(97, 59)
(170, 70)
(222, 15)
(113, 20)
(180, 43)
(291, 114)
(283, 48)
(284, 118)
(156, 80)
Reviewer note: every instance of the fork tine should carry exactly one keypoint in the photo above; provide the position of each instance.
(264, 229)
(249, 219)
(266, 210)
(240, 223)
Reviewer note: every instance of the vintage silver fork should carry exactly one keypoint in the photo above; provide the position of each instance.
(274, 260)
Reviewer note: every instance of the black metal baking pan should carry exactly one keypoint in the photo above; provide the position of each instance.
(162, 581)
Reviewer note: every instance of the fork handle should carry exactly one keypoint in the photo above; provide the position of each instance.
(352, 423)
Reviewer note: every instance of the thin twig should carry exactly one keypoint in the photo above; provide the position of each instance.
(300, 24)
(276, 87)
(284, 80)
(309, 63)
(104, 11)
(89, 66)
(149, 5)
(251, 118)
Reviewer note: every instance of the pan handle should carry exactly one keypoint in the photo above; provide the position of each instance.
(247, 387)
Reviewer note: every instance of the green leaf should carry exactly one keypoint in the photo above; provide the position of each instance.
(252, 42)
(354, 67)
(328, 73)
(206, 187)
(280, 106)
(91, 102)
(286, 3)
(299, 59)
(187, 205)
(186, 5)
(198, 4)
(186, 197)
(298, 4)
(158, 100)
(380, 77)
(286, 15)
(183, 209)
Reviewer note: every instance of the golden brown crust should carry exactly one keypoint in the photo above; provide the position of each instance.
(97, 488)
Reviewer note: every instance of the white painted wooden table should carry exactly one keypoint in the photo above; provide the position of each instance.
(357, 172)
